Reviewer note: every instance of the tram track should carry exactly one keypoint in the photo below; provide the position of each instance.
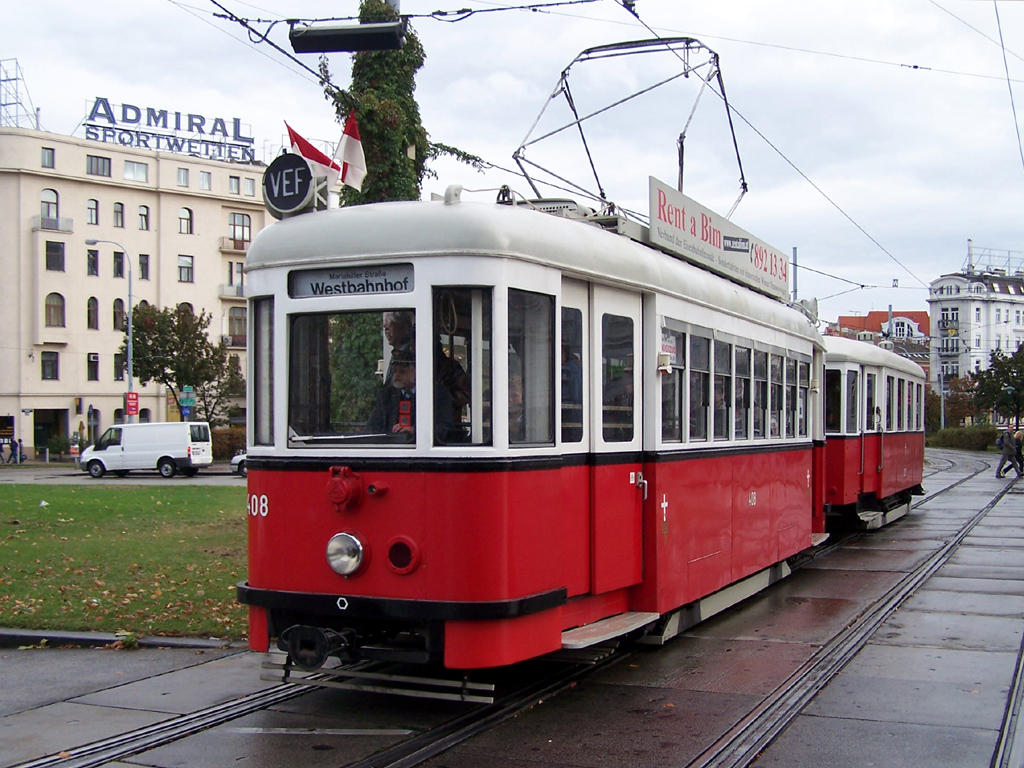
(742, 744)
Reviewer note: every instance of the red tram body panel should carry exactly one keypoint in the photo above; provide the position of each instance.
(662, 451)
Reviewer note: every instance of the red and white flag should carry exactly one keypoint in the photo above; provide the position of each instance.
(319, 163)
(350, 153)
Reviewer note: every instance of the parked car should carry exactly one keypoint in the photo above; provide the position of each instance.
(238, 464)
(168, 447)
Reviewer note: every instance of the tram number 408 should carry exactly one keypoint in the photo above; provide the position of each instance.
(258, 505)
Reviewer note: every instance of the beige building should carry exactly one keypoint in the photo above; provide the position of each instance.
(175, 226)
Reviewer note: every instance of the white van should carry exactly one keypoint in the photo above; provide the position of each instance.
(167, 447)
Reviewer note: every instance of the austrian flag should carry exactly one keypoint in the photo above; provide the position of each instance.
(319, 163)
(350, 153)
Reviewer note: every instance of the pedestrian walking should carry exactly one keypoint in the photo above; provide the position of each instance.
(1007, 443)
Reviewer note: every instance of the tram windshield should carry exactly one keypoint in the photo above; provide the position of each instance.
(353, 378)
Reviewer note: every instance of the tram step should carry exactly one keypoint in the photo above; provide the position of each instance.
(605, 629)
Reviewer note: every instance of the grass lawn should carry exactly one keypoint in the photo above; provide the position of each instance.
(158, 560)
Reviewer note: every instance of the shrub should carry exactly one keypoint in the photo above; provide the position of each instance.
(227, 441)
(975, 438)
(59, 445)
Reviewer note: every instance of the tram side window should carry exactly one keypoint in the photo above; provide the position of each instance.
(917, 410)
(617, 378)
(776, 392)
(833, 400)
(572, 375)
(804, 383)
(890, 403)
(760, 394)
(673, 344)
(462, 362)
(531, 372)
(900, 386)
(790, 397)
(871, 423)
(723, 389)
(742, 398)
(700, 371)
(910, 405)
(852, 405)
(263, 369)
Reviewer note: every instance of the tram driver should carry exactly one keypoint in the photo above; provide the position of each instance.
(395, 410)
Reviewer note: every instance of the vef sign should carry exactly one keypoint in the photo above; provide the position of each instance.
(148, 128)
(687, 229)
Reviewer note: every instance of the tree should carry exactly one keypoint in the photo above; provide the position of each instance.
(172, 346)
(395, 143)
(1000, 387)
(960, 404)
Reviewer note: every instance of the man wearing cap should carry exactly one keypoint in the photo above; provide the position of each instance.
(395, 410)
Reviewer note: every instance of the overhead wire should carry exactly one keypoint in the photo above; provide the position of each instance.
(1006, 67)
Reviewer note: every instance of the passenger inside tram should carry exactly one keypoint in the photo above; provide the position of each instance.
(395, 409)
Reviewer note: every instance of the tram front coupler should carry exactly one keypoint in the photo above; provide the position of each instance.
(310, 647)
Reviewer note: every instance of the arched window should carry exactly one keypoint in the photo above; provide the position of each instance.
(48, 205)
(143, 217)
(118, 315)
(186, 307)
(55, 311)
(92, 209)
(118, 214)
(143, 303)
(240, 228)
(185, 221)
(92, 313)
(145, 415)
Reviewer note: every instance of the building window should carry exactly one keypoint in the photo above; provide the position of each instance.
(120, 365)
(239, 228)
(185, 266)
(205, 180)
(93, 366)
(186, 307)
(135, 171)
(144, 266)
(54, 256)
(119, 324)
(185, 221)
(92, 263)
(92, 212)
(92, 314)
(234, 184)
(97, 166)
(144, 217)
(54, 311)
(118, 264)
(236, 326)
(48, 208)
(250, 187)
(51, 365)
(119, 214)
(235, 272)
(47, 159)
(183, 177)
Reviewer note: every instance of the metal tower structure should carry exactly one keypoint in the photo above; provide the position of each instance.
(16, 110)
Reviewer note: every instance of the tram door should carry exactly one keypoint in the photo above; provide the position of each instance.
(616, 419)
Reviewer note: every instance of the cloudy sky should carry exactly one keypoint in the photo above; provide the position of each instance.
(877, 137)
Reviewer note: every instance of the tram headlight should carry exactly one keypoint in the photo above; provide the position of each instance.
(344, 553)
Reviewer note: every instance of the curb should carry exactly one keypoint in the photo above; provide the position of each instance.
(14, 638)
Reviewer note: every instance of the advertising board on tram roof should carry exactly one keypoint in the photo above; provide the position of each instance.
(687, 229)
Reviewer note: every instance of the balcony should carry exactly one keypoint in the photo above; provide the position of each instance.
(53, 225)
(231, 291)
(949, 352)
(949, 325)
(230, 245)
(234, 341)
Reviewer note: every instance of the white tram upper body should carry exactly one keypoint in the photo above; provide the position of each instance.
(597, 434)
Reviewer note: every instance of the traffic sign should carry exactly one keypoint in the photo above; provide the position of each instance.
(185, 411)
(131, 403)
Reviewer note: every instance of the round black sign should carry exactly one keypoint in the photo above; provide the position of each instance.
(287, 185)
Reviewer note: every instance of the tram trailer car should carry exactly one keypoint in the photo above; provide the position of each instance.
(627, 441)
(874, 434)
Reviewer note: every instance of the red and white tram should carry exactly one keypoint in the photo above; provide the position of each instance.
(874, 428)
(595, 437)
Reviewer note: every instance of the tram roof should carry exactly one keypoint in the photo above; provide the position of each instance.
(400, 230)
(839, 349)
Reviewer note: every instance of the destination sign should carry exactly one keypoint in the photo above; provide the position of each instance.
(390, 278)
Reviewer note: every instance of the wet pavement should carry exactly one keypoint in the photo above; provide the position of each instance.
(929, 688)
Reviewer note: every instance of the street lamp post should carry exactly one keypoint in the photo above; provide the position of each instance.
(129, 418)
